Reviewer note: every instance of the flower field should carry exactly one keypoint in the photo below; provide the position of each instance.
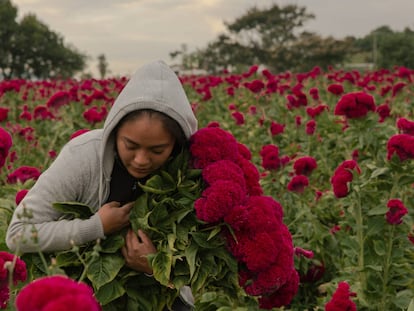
(334, 148)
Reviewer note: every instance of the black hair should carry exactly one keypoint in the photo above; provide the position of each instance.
(168, 123)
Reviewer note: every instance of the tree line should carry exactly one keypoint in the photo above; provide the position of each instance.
(274, 37)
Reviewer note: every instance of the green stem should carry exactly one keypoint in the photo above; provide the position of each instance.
(360, 237)
(387, 261)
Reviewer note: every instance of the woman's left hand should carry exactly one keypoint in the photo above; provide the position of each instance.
(135, 251)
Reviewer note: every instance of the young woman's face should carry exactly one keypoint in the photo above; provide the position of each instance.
(144, 145)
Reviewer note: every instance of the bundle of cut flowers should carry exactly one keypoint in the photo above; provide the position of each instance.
(214, 231)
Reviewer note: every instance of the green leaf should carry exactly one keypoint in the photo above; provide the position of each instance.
(162, 264)
(103, 269)
(73, 209)
(191, 255)
(379, 247)
(109, 292)
(379, 171)
(112, 243)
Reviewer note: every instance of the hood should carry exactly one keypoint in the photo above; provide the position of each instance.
(153, 86)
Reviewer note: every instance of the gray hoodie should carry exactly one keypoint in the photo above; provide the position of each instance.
(82, 171)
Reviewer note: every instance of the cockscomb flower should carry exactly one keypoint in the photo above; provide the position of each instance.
(218, 199)
(316, 111)
(298, 183)
(22, 174)
(342, 176)
(94, 114)
(270, 157)
(276, 128)
(341, 299)
(384, 111)
(310, 127)
(224, 170)
(355, 105)
(10, 263)
(402, 145)
(5, 145)
(20, 195)
(211, 144)
(396, 210)
(4, 112)
(405, 126)
(58, 100)
(304, 165)
(335, 88)
(56, 293)
(238, 117)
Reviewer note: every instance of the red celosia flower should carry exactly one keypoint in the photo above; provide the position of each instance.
(314, 273)
(383, 111)
(17, 267)
(270, 157)
(355, 105)
(20, 195)
(56, 293)
(94, 115)
(284, 295)
(78, 133)
(26, 115)
(405, 126)
(42, 113)
(276, 128)
(218, 199)
(22, 174)
(310, 127)
(238, 117)
(255, 86)
(316, 111)
(397, 87)
(342, 176)
(299, 251)
(58, 100)
(251, 175)
(341, 299)
(298, 183)
(396, 210)
(304, 165)
(3, 113)
(224, 170)
(244, 151)
(314, 93)
(336, 89)
(402, 145)
(211, 144)
(5, 145)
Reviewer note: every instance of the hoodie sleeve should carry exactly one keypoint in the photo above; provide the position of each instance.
(72, 177)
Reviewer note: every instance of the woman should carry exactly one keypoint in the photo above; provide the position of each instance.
(149, 122)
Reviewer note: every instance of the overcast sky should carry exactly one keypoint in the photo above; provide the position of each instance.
(133, 32)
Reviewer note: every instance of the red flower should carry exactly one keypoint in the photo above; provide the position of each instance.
(58, 100)
(3, 113)
(355, 105)
(341, 299)
(316, 111)
(218, 199)
(336, 89)
(22, 174)
(314, 93)
(305, 165)
(5, 145)
(299, 251)
(42, 113)
(310, 127)
(238, 117)
(19, 273)
(402, 145)
(270, 157)
(224, 170)
(94, 115)
(396, 210)
(383, 111)
(276, 128)
(20, 195)
(255, 86)
(211, 144)
(78, 133)
(56, 293)
(405, 126)
(251, 176)
(397, 87)
(342, 176)
(298, 183)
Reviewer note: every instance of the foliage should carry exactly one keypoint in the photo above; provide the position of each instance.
(32, 50)
(347, 239)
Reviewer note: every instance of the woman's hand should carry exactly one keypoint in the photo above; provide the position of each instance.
(136, 249)
(114, 217)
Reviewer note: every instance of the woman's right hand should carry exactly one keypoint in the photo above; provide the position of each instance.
(114, 217)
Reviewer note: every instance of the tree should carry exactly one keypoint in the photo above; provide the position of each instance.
(33, 50)
(102, 65)
(8, 28)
